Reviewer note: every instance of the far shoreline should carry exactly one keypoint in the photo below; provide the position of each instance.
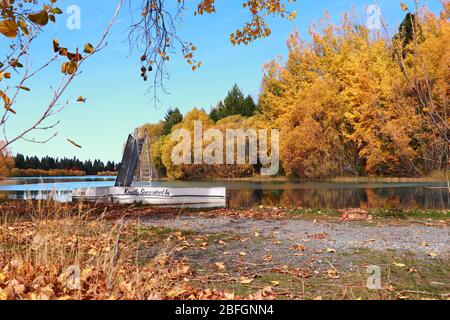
(257, 178)
(38, 173)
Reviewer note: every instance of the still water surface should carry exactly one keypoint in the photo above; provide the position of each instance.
(335, 195)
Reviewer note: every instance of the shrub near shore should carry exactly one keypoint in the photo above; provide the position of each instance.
(55, 173)
(46, 173)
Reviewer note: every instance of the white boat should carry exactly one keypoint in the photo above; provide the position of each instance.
(154, 196)
(125, 193)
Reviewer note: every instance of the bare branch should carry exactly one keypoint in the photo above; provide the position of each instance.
(64, 84)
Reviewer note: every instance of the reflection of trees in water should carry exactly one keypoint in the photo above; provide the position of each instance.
(253, 197)
(437, 198)
(323, 198)
(383, 198)
(408, 198)
(342, 198)
(242, 198)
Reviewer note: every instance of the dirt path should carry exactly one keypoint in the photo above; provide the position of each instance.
(304, 242)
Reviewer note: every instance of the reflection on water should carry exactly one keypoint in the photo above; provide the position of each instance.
(336, 198)
(251, 194)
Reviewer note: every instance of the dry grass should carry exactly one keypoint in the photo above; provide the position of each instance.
(54, 252)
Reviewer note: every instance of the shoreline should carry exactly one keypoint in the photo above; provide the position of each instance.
(433, 177)
(335, 179)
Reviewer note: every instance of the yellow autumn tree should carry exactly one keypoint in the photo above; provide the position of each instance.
(425, 65)
(349, 102)
(6, 162)
(344, 107)
(184, 171)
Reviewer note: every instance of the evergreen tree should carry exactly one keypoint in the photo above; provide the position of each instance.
(20, 161)
(173, 117)
(50, 163)
(248, 107)
(406, 32)
(215, 112)
(235, 103)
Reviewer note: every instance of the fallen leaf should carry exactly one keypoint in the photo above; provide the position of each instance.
(183, 268)
(125, 287)
(245, 280)
(19, 289)
(180, 248)
(299, 247)
(176, 292)
(220, 265)
(400, 265)
(228, 296)
(333, 273)
(267, 289)
(3, 294)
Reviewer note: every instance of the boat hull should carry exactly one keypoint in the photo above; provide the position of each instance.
(156, 196)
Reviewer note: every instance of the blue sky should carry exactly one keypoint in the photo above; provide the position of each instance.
(116, 99)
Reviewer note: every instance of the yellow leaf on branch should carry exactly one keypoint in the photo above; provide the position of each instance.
(7, 101)
(9, 28)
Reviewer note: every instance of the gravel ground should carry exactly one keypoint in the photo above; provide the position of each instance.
(296, 242)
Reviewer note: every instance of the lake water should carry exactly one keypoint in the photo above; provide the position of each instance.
(248, 194)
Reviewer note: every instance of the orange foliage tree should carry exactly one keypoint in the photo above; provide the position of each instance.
(6, 162)
(345, 106)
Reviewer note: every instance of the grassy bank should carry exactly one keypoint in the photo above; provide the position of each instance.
(107, 174)
(55, 251)
(50, 250)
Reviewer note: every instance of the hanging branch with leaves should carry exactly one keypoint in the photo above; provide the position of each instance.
(154, 34)
(22, 23)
